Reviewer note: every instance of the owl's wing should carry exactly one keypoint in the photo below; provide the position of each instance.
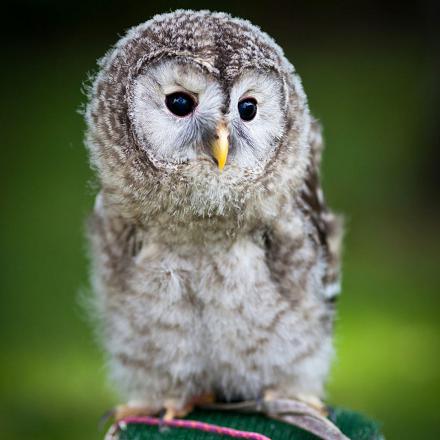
(328, 225)
(324, 227)
(114, 241)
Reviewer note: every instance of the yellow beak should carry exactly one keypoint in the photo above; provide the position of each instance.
(220, 147)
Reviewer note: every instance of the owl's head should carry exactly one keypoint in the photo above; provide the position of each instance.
(199, 114)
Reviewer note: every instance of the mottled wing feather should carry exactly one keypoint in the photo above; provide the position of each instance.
(327, 225)
(291, 251)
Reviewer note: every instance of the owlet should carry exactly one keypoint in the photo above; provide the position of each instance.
(215, 258)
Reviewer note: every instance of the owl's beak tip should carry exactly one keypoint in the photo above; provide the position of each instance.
(221, 165)
(220, 147)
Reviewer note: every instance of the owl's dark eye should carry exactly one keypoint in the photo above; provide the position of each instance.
(179, 103)
(247, 108)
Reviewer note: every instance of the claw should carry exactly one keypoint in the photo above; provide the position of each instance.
(175, 410)
(120, 412)
(133, 410)
(172, 413)
(171, 409)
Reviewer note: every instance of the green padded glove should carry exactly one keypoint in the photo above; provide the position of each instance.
(353, 425)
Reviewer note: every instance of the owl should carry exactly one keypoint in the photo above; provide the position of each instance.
(215, 260)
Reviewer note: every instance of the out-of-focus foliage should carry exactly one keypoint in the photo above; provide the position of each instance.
(371, 78)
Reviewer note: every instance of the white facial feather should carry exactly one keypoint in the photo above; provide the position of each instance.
(166, 137)
(253, 142)
(171, 139)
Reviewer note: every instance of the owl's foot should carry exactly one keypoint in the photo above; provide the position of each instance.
(175, 410)
(133, 410)
(171, 409)
(310, 400)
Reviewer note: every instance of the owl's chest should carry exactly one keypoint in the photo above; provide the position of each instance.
(225, 281)
(222, 307)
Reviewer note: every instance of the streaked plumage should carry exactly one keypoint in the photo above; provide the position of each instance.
(209, 281)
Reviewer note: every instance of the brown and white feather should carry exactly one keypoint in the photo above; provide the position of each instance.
(208, 281)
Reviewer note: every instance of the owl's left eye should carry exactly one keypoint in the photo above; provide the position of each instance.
(247, 108)
(180, 104)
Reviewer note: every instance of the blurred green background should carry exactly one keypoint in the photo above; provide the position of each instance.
(371, 71)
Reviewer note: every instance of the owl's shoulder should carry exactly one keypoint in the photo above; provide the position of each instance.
(111, 234)
(327, 225)
(306, 231)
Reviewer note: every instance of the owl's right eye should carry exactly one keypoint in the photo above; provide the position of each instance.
(180, 104)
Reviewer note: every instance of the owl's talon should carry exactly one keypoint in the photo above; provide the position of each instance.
(121, 412)
(172, 413)
(173, 410)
